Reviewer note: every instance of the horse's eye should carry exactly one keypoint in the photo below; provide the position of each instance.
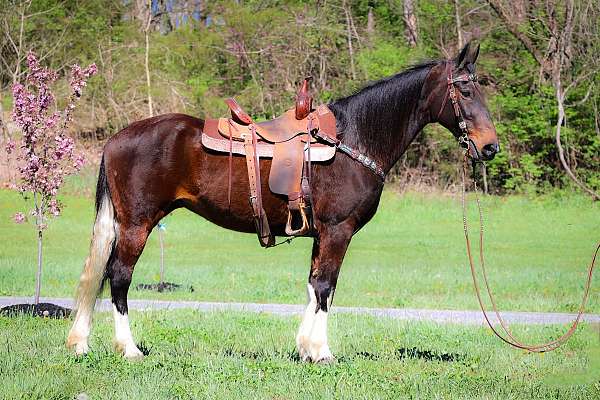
(466, 93)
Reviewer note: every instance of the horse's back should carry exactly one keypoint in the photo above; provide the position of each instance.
(140, 135)
(151, 160)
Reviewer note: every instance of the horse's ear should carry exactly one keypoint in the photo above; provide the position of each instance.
(468, 55)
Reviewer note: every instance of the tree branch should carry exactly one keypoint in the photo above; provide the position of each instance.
(514, 28)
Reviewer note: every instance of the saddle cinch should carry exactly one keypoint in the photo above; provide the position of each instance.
(290, 140)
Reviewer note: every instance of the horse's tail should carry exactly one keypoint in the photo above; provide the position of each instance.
(101, 248)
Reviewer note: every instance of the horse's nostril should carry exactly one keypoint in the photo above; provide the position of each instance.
(490, 149)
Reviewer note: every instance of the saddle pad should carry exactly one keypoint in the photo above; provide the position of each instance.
(264, 150)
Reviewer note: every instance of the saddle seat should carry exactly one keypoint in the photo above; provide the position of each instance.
(277, 130)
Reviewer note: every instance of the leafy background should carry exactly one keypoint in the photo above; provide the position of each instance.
(259, 50)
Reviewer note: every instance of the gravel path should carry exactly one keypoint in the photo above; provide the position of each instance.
(439, 316)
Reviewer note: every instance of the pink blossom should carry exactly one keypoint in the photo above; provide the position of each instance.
(47, 152)
(79, 162)
(19, 218)
(54, 207)
(10, 146)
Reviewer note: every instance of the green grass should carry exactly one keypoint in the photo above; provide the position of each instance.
(231, 355)
(410, 255)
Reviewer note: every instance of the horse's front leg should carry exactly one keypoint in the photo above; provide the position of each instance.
(327, 255)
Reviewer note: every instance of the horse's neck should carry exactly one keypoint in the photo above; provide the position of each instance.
(391, 145)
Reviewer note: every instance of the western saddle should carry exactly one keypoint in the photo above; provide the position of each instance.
(293, 141)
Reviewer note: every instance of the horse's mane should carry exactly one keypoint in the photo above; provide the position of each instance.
(374, 116)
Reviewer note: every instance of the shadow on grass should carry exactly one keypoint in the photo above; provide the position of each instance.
(144, 348)
(406, 353)
(399, 354)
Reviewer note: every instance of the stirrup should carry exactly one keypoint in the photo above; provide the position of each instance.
(305, 226)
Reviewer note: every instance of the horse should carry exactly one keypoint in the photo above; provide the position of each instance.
(159, 164)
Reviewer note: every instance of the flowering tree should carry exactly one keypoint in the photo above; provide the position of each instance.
(46, 153)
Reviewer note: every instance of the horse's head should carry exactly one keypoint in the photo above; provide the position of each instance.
(457, 103)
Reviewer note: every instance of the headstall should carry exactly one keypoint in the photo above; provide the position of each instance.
(451, 91)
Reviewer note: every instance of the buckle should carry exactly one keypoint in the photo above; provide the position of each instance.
(462, 125)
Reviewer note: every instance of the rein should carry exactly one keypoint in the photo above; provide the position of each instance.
(507, 336)
(465, 142)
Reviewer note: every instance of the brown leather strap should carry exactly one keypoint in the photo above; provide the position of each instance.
(237, 113)
(256, 162)
(451, 92)
(260, 218)
(509, 338)
(230, 165)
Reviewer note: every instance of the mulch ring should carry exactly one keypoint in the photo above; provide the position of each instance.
(47, 310)
(163, 287)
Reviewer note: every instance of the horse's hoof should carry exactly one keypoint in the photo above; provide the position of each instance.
(129, 351)
(80, 348)
(326, 360)
(133, 354)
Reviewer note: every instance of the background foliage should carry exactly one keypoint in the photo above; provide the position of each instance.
(259, 50)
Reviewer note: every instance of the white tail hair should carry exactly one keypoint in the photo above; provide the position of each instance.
(94, 271)
(103, 239)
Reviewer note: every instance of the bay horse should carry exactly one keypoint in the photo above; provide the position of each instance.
(157, 165)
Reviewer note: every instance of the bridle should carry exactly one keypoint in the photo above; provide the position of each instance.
(451, 92)
(504, 333)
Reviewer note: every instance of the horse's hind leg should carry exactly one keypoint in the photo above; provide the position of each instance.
(130, 244)
(327, 256)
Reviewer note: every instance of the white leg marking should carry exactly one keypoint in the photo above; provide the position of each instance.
(311, 340)
(318, 347)
(80, 331)
(123, 339)
(303, 337)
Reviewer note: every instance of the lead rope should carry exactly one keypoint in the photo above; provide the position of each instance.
(511, 340)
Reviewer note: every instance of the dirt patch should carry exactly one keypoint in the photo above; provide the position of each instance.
(47, 310)
(163, 287)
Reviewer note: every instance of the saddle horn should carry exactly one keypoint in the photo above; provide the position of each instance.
(304, 100)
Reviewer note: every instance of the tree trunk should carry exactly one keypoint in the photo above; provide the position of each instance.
(38, 275)
(458, 24)
(561, 153)
(370, 23)
(147, 59)
(38, 222)
(520, 8)
(484, 178)
(165, 25)
(350, 48)
(410, 23)
(162, 255)
(142, 10)
(596, 119)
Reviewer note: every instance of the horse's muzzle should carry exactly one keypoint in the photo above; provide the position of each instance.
(489, 151)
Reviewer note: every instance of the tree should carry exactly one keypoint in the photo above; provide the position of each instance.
(565, 48)
(46, 153)
(410, 22)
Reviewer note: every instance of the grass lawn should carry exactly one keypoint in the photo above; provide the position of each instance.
(410, 255)
(232, 355)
